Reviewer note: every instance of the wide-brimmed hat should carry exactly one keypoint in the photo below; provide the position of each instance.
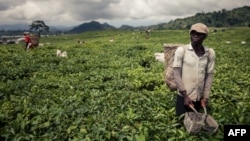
(26, 33)
(200, 28)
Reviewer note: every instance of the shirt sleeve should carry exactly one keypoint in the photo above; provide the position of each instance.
(177, 65)
(209, 75)
(208, 85)
(211, 61)
(178, 57)
(178, 80)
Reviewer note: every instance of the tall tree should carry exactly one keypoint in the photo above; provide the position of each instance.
(39, 26)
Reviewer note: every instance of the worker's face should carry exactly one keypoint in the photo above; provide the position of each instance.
(197, 37)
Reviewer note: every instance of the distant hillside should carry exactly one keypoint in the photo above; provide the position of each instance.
(91, 26)
(14, 27)
(25, 27)
(126, 27)
(236, 17)
(224, 18)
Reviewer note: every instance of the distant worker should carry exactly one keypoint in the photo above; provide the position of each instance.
(147, 33)
(27, 40)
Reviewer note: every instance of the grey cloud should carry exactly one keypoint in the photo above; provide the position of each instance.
(90, 10)
(72, 12)
(4, 5)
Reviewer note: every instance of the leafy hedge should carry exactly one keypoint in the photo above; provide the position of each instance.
(113, 90)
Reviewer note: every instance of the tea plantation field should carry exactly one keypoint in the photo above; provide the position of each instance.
(114, 90)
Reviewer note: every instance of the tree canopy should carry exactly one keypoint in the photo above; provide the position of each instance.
(238, 17)
(39, 26)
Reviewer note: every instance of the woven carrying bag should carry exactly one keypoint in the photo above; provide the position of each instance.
(196, 122)
(169, 50)
(35, 40)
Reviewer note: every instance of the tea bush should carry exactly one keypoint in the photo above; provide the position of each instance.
(113, 90)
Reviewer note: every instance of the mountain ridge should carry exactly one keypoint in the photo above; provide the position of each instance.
(223, 18)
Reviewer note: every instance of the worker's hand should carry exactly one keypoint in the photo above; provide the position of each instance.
(204, 102)
(188, 101)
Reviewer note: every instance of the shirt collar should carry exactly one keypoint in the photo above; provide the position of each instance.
(191, 48)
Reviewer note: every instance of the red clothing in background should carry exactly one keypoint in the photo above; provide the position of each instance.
(27, 39)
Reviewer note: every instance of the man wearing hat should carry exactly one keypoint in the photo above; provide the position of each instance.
(193, 71)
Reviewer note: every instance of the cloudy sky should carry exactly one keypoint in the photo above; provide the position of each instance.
(114, 12)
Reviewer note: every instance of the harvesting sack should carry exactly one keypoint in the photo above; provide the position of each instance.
(169, 50)
(34, 40)
(195, 122)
